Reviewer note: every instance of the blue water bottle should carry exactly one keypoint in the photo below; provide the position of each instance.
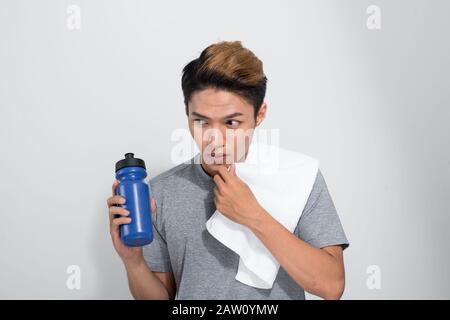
(131, 173)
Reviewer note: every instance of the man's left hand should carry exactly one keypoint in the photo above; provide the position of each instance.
(234, 198)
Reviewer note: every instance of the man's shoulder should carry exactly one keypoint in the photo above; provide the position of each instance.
(172, 175)
(317, 189)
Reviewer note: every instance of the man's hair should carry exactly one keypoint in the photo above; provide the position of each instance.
(226, 65)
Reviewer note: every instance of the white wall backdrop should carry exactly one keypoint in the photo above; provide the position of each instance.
(373, 105)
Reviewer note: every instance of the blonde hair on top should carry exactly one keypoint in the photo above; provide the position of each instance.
(232, 60)
(226, 65)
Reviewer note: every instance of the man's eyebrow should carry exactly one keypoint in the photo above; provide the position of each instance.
(199, 115)
(235, 114)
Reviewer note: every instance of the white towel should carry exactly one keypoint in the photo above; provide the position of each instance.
(281, 181)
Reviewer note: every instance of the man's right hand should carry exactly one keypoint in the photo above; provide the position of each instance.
(131, 256)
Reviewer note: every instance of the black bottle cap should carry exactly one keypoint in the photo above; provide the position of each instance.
(129, 161)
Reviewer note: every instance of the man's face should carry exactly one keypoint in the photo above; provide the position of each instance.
(222, 124)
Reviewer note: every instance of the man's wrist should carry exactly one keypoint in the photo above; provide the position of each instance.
(259, 222)
(131, 264)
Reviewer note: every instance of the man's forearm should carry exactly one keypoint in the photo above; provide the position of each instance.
(314, 269)
(144, 284)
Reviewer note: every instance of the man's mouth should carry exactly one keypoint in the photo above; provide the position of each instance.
(217, 157)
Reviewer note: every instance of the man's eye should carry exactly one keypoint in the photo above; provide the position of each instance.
(233, 123)
(199, 122)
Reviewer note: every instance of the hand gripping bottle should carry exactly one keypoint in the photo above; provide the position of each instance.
(131, 173)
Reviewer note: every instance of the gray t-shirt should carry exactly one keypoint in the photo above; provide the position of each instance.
(202, 266)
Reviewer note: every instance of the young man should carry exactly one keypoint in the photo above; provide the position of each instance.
(224, 92)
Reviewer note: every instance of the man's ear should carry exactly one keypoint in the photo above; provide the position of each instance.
(261, 114)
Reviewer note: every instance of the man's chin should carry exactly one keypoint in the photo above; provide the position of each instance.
(214, 167)
(217, 163)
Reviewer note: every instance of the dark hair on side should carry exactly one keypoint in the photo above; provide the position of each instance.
(227, 66)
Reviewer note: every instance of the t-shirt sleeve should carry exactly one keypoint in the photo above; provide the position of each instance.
(156, 253)
(319, 224)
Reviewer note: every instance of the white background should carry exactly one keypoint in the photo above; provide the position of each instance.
(371, 105)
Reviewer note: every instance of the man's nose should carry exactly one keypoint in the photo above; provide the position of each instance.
(216, 135)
